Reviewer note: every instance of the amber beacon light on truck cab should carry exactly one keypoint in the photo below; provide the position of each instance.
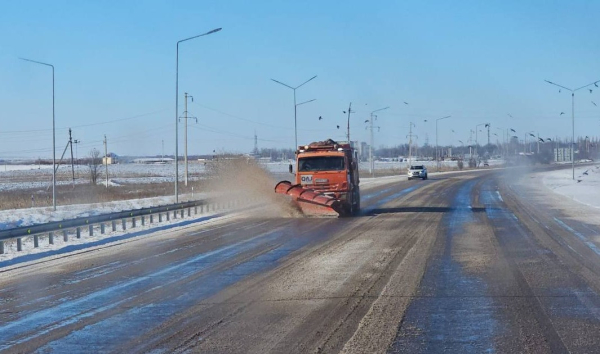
(326, 179)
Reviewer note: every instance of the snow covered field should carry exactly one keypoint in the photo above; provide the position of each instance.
(584, 189)
(6, 168)
(15, 177)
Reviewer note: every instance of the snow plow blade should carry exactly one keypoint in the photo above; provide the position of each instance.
(311, 203)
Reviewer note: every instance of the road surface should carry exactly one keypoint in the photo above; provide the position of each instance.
(464, 263)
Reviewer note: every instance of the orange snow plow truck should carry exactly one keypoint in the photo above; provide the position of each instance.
(326, 182)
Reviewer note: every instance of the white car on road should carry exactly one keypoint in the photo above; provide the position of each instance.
(417, 171)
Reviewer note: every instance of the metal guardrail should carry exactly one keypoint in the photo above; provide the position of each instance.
(111, 218)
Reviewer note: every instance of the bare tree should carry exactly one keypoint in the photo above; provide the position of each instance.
(94, 165)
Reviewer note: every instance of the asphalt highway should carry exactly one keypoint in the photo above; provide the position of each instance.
(459, 263)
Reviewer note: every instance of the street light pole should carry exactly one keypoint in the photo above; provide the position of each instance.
(476, 138)
(177, 110)
(373, 117)
(595, 83)
(53, 134)
(295, 107)
(437, 161)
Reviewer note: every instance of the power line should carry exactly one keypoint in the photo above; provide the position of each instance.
(127, 138)
(85, 125)
(250, 120)
(218, 131)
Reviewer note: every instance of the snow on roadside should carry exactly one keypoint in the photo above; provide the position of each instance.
(59, 245)
(24, 217)
(585, 189)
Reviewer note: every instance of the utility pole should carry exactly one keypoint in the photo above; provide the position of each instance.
(162, 157)
(185, 116)
(410, 135)
(72, 166)
(348, 126)
(76, 142)
(106, 160)
(255, 144)
(371, 164)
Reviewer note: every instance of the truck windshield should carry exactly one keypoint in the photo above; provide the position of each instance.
(321, 163)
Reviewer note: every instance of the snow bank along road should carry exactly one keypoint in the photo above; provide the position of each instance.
(471, 262)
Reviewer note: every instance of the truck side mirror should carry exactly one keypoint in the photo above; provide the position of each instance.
(291, 169)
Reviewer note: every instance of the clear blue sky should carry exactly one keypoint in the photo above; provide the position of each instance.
(478, 61)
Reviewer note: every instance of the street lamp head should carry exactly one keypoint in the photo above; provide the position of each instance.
(213, 31)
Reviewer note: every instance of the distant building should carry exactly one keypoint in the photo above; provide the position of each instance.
(110, 160)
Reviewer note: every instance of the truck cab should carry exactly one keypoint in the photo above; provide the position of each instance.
(330, 168)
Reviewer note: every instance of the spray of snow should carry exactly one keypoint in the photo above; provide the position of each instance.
(244, 179)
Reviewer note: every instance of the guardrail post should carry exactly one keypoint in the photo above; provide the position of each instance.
(91, 228)
(189, 212)
(201, 208)
(114, 225)
(196, 210)
(123, 224)
(132, 223)
(168, 216)
(182, 211)
(65, 236)
(1, 247)
(36, 241)
(159, 217)
(78, 232)
(19, 245)
(51, 237)
(174, 214)
(151, 218)
(102, 228)
(143, 220)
